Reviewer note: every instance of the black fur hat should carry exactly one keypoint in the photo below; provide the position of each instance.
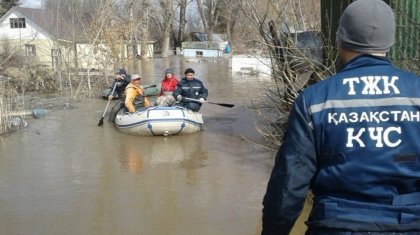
(189, 70)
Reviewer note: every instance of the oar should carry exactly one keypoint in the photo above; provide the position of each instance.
(221, 104)
(101, 121)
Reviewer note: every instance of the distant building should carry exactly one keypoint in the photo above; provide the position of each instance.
(39, 37)
(251, 65)
(197, 44)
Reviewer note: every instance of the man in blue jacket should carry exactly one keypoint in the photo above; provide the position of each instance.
(190, 92)
(353, 139)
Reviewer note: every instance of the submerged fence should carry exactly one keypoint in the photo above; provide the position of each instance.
(406, 51)
(5, 118)
(12, 110)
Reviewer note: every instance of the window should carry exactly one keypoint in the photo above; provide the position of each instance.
(17, 23)
(199, 53)
(30, 50)
(55, 53)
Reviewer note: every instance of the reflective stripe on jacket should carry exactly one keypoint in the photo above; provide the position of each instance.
(191, 89)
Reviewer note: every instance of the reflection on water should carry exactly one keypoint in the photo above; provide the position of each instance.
(131, 158)
(184, 152)
(177, 151)
(65, 175)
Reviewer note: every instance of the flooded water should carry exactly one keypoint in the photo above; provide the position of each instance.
(65, 175)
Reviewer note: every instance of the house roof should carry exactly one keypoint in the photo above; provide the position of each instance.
(203, 37)
(59, 25)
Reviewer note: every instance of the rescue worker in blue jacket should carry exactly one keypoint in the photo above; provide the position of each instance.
(190, 92)
(353, 139)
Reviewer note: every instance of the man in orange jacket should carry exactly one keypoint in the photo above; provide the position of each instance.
(132, 91)
(133, 98)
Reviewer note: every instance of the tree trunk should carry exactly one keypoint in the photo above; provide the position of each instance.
(165, 45)
(235, 12)
(203, 16)
(144, 29)
(167, 10)
(131, 27)
(182, 22)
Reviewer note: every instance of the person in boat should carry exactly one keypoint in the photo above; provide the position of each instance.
(122, 79)
(190, 88)
(134, 95)
(132, 100)
(353, 139)
(169, 83)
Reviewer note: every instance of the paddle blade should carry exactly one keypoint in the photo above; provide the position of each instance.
(226, 105)
(223, 104)
(101, 122)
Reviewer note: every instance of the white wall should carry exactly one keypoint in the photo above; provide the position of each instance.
(251, 64)
(24, 34)
(16, 38)
(206, 53)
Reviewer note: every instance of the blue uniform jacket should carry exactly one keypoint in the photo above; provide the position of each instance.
(354, 140)
(193, 89)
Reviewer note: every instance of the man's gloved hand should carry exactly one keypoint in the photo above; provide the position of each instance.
(179, 97)
(110, 97)
(202, 100)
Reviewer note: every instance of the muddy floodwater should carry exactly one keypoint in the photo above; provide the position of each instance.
(63, 174)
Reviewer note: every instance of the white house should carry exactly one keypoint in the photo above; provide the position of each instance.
(37, 36)
(32, 34)
(196, 44)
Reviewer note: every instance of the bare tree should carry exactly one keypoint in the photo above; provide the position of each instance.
(182, 4)
(293, 67)
(210, 12)
(230, 14)
(167, 7)
(144, 28)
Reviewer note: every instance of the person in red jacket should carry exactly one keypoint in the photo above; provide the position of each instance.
(168, 86)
